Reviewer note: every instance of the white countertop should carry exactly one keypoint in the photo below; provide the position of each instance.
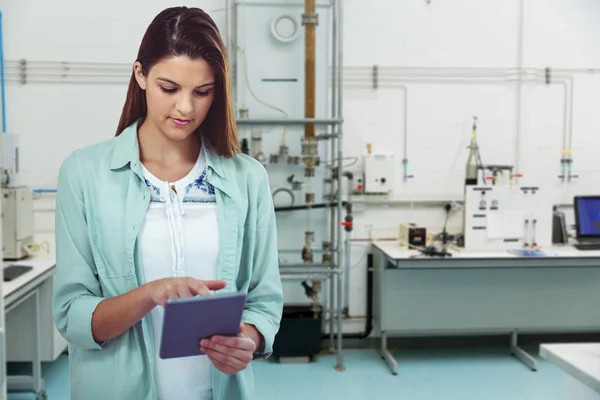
(40, 263)
(394, 250)
(581, 361)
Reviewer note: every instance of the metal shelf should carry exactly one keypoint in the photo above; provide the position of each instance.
(288, 121)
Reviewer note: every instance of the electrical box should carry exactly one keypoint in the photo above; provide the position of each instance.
(358, 184)
(379, 173)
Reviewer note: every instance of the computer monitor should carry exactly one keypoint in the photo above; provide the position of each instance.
(587, 216)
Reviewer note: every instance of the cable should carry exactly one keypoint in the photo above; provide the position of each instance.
(247, 79)
(286, 190)
(480, 166)
(451, 171)
(354, 161)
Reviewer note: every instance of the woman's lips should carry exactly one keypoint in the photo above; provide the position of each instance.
(181, 122)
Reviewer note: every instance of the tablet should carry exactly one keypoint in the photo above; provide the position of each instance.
(186, 321)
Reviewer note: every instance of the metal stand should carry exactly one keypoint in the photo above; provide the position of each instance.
(335, 125)
(387, 356)
(35, 382)
(521, 354)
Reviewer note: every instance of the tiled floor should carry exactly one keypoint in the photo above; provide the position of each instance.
(461, 374)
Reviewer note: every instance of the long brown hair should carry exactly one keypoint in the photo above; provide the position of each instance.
(190, 32)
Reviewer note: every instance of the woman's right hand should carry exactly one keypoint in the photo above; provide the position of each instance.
(162, 290)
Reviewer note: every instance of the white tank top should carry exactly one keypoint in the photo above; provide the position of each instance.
(179, 238)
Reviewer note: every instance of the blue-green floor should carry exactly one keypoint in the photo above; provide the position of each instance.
(423, 374)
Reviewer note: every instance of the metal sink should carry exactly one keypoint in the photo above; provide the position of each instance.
(15, 271)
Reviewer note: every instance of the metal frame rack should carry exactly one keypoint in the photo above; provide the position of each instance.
(330, 269)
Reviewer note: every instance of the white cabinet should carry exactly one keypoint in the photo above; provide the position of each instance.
(18, 346)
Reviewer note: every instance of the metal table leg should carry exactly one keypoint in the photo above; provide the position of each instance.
(521, 354)
(387, 356)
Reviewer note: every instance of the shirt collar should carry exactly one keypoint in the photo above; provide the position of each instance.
(127, 151)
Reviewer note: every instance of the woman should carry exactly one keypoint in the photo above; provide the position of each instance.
(166, 209)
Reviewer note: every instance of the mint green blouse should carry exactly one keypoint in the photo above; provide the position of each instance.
(101, 202)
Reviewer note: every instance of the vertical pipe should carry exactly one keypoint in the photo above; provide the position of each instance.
(228, 24)
(563, 158)
(340, 14)
(405, 139)
(332, 211)
(230, 51)
(347, 274)
(310, 44)
(519, 100)
(570, 152)
(2, 76)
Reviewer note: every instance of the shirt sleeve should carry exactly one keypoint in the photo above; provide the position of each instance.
(264, 304)
(77, 291)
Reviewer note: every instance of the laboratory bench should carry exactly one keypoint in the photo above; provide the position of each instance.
(30, 332)
(484, 293)
(580, 363)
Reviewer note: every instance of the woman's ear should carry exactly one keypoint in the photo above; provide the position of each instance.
(139, 75)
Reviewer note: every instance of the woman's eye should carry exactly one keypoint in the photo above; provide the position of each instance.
(168, 90)
(203, 94)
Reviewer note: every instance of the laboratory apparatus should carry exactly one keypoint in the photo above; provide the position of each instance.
(473, 161)
(559, 227)
(17, 222)
(412, 235)
(507, 217)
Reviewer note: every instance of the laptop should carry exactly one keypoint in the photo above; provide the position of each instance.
(587, 222)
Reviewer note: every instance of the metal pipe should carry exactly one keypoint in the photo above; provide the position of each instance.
(231, 50)
(576, 70)
(570, 141)
(434, 71)
(82, 64)
(305, 271)
(347, 272)
(332, 145)
(430, 68)
(335, 212)
(2, 78)
(296, 4)
(405, 133)
(306, 265)
(519, 98)
(50, 81)
(313, 277)
(572, 100)
(395, 85)
(75, 75)
(564, 139)
(290, 121)
(340, 14)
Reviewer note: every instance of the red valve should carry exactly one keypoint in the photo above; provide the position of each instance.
(347, 223)
(489, 178)
(518, 175)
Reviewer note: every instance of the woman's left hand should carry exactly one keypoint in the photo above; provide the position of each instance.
(231, 355)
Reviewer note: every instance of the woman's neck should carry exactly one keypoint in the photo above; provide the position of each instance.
(158, 148)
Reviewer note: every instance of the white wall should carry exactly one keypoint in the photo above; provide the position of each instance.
(54, 119)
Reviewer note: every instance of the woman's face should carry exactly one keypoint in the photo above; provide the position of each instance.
(179, 94)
